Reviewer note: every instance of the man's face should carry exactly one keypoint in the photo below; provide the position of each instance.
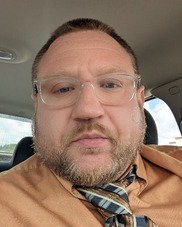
(88, 143)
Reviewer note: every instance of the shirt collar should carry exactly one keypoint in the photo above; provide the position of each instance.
(141, 173)
(69, 186)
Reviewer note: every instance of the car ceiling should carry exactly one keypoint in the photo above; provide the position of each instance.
(152, 28)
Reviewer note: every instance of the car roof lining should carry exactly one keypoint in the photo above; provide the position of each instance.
(152, 28)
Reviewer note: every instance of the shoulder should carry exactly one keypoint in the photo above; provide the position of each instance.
(29, 164)
(28, 180)
(22, 173)
(167, 157)
(173, 151)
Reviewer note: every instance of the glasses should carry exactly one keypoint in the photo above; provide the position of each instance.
(63, 91)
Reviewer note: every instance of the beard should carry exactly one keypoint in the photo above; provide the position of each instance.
(58, 159)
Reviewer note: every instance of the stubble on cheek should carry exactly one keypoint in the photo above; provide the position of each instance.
(59, 159)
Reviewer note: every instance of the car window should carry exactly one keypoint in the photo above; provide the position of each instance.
(11, 131)
(168, 131)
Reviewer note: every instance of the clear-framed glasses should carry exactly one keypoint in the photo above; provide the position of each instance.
(62, 91)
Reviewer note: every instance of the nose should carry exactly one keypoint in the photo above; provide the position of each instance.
(87, 106)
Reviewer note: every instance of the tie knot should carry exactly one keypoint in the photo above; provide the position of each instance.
(112, 198)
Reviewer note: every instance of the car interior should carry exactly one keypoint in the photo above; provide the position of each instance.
(152, 28)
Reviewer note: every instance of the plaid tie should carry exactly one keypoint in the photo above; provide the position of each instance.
(113, 199)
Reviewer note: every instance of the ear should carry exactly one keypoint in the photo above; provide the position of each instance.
(35, 101)
(141, 96)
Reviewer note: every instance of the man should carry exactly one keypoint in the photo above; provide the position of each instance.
(88, 132)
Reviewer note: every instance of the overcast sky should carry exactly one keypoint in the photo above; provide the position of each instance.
(11, 131)
(164, 119)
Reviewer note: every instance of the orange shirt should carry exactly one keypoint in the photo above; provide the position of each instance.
(33, 196)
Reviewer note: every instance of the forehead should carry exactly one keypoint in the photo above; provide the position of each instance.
(87, 39)
(86, 47)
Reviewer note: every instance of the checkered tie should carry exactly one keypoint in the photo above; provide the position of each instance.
(112, 199)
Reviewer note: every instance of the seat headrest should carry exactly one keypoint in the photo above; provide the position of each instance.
(23, 150)
(151, 135)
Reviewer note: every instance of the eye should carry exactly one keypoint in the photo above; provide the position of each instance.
(111, 83)
(65, 89)
(60, 88)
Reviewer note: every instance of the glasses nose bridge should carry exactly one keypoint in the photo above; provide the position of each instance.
(90, 87)
(88, 83)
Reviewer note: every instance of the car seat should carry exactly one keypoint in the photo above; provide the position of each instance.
(23, 150)
(151, 134)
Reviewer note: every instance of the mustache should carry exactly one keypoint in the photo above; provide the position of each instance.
(88, 127)
(91, 126)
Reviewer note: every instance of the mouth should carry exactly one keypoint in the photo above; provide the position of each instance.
(91, 140)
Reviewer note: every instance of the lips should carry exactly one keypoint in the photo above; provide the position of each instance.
(90, 140)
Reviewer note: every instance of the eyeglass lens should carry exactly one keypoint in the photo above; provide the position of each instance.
(110, 90)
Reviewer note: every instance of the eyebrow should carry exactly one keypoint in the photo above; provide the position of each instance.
(99, 72)
(110, 69)
(61, 73)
